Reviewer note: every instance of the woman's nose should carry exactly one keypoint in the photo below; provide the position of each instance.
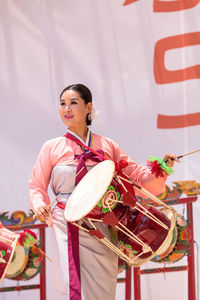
(67, 107)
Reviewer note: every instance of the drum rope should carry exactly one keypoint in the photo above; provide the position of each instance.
(151, 216)
(133, 236)
(76, 224)
(114, 248)
(145, 192)
(7, 240)
(119, 178)
(91, 224)
(95, 220)
(148, 214)
(104, 240)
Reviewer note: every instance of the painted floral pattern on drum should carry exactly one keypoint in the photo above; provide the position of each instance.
(182, 245)
(31, 272)
(109, 200)
(127, 248)
(36, 262)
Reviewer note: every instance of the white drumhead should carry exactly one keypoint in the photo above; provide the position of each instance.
(89, 191)
(13, 247)
(18, 262)
(171, 214)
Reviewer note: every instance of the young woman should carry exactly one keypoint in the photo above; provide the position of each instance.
(83, 267)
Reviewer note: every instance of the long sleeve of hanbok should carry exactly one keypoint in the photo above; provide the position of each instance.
(140, 174)
(40, 178)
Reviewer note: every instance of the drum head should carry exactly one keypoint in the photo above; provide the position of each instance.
(18, 263)
(11, 250)
(172, 234)
(89, 191)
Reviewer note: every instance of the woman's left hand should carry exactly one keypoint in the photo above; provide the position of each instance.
(169, 159)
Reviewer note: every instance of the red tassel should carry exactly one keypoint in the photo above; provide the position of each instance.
(22, 237)
(31, 232)
(155, 168)
(128, 186)
(121, 165)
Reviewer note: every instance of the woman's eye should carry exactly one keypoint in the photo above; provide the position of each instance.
(62, 103)
(74, 102)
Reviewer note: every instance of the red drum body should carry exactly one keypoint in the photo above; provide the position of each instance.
(25, 264)
(5, 254)
(147, 230)
(16, 261)
(108, 202)
(8, 241)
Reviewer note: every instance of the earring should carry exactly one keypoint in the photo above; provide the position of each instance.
(89, 117)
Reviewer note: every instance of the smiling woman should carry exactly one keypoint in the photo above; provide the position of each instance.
(83, 267)
(75, 109)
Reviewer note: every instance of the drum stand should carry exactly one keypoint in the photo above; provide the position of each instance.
(190, 267)
(42, 279)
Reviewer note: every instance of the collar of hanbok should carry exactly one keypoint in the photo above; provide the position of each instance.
(88, 141)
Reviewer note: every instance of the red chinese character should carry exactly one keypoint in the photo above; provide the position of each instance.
(127, 2)
(167, 122)
(162, 75)
(168, 6)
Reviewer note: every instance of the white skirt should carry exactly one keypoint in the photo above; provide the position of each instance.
(98, 264)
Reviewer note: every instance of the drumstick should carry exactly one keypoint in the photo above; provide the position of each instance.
(43, 253)
(66, 185)
(183, 155)
(180, 156)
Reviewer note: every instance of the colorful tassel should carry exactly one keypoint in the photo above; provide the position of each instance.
(28, 238)
(157, 166)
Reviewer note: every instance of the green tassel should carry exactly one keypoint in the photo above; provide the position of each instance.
(29, 241)
(163, 165)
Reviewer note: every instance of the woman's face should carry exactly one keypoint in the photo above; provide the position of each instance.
(73, 110)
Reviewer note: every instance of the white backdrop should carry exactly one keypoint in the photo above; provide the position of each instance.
(116, 50)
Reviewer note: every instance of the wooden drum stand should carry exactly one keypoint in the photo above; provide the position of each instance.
(19, 221)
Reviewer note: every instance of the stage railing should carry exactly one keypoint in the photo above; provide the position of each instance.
(41, 228)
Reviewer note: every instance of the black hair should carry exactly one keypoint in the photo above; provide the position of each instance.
(84, 93)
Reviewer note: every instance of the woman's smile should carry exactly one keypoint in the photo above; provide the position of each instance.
(68, 117)
(73, 111)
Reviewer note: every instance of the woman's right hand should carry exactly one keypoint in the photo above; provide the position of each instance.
(42, 212)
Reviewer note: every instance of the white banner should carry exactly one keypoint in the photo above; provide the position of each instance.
(141, 61)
